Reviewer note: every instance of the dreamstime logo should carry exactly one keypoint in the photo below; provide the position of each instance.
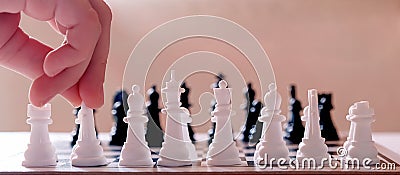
(160, 38)
(341, 152)
(342, 162)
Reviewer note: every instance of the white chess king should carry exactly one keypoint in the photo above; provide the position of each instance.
(223, 150)
(87, 151)
(175, 150)
(135, 151)
(271, 144)
(312, 145)
(41, 151)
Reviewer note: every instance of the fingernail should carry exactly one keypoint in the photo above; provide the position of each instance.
(43, 102)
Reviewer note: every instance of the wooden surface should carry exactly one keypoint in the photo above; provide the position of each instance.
(14, 144)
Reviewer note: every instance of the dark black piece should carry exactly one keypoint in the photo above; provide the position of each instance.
(253, 109)
(119, 130)
(152, 107)
(252, 121)
(328, 130)
(154, 134)
(75, 131)
(295, 128)
(185, 103)
(211, 131)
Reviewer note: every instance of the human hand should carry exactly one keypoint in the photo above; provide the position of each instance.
(75, 69)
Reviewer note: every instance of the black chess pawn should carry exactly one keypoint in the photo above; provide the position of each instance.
(328, 130)
(119, 130)
(253, 109)
(211, 131)
(185, 103)
(254, 133)
(154, 134)
(152, 107)
(75, 131)
(294, 129)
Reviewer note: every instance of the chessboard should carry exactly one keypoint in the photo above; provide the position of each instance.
(11, 159)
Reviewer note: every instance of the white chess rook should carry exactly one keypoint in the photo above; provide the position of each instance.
(40, 152)
(271, 144)
(87, 151)
(174, 150)
(135, 151)
(361, 145)
(223, 150)
(312, 145)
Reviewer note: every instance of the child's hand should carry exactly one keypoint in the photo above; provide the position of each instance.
(76, 68)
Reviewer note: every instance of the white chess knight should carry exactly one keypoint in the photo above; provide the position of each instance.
(135, 151)
(223, 150)
(312, 145)
(177, 149)
(271, 144)
(87, 151)
(41, 151)
(360, 144)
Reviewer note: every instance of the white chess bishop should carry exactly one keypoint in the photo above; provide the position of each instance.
(87, 151)
(312, 145)
(271, 144)
(177, 149)
(135, 151)
(359, 144)
(40, 152)
(223, 150)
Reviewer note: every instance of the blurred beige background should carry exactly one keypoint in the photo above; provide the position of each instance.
(348, 47)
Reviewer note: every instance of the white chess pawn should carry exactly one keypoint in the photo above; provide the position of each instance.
(174, 150)
(41, 151)
(312, 145)
(135, 151)
(223, 150)
(87, 151)
(271, 144)
(346, 144)
(190, 146)
(361, 145)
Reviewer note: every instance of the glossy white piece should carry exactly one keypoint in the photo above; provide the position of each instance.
(360, 144)
(135, 152)
(40, 152)
(312, 145)
(271, 144)
(223, 151)
(175, 150)
(87, 151)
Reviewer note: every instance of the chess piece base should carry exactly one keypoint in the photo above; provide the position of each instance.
(171, 153)
(163, 161)
(88, 153)
(40, 155)
(138, 156)
(363, 150)
(135, 163)
(269, 150)
(222, 156)
(315, 149)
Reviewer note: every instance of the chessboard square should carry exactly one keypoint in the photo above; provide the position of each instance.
(249, 154)
(249, 159)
